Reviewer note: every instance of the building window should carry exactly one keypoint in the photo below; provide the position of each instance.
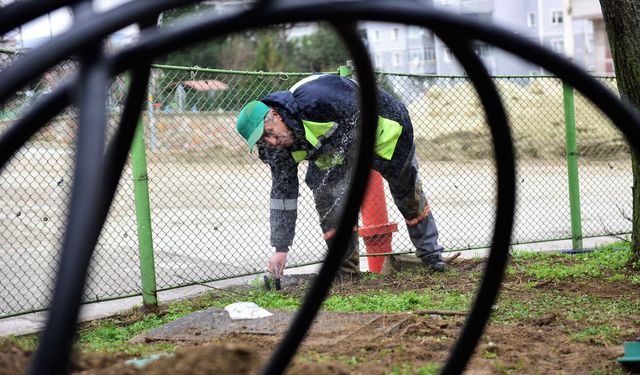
(421, 56)
(531, 19)
(589, 45)
(396, 33)
(397, 59)
(482, 49)
(556, 17)
(376, 35)
(378, 60)
(430, 55)
(448, 56)
(557, 45)
(416, 56)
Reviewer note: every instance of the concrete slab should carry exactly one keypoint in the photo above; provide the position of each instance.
(205, 325)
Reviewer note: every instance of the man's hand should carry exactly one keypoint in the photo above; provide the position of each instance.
(276, 264)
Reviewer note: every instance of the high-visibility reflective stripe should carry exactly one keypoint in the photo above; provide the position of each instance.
(329, 161)
(298, 156)
(413, 222)
(314, 130)
(305, 80)
(329, 234)
(332, 232)
(284, 204)
(387, 135)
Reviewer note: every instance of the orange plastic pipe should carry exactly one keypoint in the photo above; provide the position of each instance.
(376, 230)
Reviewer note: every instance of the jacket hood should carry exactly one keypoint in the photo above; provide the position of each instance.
(285, 104)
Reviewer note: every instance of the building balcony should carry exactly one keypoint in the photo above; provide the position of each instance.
(587, 9)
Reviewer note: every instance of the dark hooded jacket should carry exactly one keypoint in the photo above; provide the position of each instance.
(323, 99)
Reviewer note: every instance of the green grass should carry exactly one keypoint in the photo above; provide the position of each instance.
(386, 302)
(27, 343)
(111, 335)
(602, 334)
(558, 266)
(411, 369)
(607, 264)
(510, 309)
(351, 361)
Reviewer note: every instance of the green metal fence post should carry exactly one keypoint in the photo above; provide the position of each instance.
(143, 218)
(572, 166)
(344, 71)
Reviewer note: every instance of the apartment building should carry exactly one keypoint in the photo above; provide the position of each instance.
(590, 10)
(409, 49)
(401, 48)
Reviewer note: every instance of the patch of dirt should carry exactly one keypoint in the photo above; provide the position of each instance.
(379, 343)
(12, 360)
(455, 127)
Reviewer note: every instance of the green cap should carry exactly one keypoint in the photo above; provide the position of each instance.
(251, 122)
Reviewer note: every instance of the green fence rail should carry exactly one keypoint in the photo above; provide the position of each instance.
(210, 198)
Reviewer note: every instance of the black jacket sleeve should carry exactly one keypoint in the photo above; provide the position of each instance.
(284, 195)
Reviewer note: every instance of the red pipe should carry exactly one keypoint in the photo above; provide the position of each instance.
(376, 230)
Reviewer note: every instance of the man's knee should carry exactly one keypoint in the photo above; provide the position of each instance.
(412, 222)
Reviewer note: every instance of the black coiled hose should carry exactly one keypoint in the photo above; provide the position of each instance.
(84, 225)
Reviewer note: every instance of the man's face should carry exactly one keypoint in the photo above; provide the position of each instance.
(276, 133)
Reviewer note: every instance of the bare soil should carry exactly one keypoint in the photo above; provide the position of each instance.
(540, 344)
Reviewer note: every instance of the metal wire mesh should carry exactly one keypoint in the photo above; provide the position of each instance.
(210, 198)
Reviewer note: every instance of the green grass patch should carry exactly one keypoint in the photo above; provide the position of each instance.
(28, 343)
(602, 334)
(411, 369)
(352, 361)
(510, 309)
(387, 302)
(111, 335)
(558, 266)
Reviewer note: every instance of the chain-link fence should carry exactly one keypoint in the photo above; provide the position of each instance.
(210, 199)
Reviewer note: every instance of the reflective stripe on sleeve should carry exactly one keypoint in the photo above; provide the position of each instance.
(284, 204)
(305, 80)
(332, 232)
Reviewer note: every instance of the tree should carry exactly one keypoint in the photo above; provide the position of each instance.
(271, 52)
(320, 51)
(622, 22)
(266, 49)
(263, 49)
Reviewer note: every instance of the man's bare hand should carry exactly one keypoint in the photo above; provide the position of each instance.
(276, 264)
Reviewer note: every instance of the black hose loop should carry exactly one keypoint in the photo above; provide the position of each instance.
(93, 189)
(322, 284)
(505, 162)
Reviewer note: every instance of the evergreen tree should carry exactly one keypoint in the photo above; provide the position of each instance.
(320, 51)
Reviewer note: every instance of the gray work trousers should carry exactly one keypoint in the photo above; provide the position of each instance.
(407, 193)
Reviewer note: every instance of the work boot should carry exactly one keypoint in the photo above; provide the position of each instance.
(346, 276)
(435, 263)
(349, 269)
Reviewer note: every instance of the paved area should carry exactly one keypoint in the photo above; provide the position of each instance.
(207, 225)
